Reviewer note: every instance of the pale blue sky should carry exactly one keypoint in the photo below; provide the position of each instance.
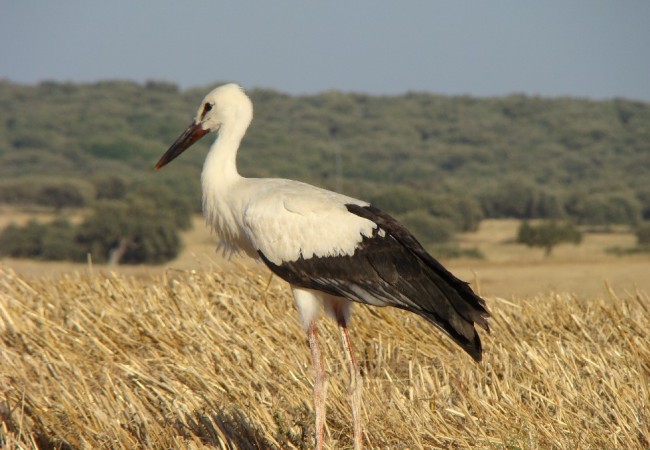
(585, 48)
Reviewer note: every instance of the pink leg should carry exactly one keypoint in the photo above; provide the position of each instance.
(355, 379)
(320, 379)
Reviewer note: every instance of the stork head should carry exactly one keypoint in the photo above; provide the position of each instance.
(226, 105)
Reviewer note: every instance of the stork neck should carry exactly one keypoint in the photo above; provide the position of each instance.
(221, 162)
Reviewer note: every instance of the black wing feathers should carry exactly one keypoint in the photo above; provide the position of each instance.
(391, 268)
(474, 309)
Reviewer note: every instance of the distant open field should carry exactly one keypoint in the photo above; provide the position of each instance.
(508, 270)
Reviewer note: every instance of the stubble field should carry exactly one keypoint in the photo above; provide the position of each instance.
(204, 354)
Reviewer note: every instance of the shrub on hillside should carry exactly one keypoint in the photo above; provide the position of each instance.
(605, 209)
(49, 241)
(109, 186)
(463, 212)
(398, 200)
(22, 242)
(519, 198)
(59, 242)
(427, 229)
(162, 199)
(54, 192)
(61, 195)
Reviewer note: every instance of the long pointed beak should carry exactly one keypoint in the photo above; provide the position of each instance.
(192, 134)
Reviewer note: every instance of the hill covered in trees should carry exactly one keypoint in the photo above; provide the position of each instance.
(438, 162)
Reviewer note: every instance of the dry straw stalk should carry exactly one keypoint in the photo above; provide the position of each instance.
(218, 360)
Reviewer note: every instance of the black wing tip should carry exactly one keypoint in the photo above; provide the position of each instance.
(472, 347)
(476, 349)
(483, 322)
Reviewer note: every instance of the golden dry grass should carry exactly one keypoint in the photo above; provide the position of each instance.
(218, 360)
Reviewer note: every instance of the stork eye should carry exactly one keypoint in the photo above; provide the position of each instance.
(206, 108)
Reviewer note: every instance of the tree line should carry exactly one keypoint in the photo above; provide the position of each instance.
(439, 163)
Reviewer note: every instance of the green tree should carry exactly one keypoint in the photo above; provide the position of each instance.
(547, 235)
(130, 232)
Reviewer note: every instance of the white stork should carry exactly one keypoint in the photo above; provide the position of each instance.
(332, 249)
